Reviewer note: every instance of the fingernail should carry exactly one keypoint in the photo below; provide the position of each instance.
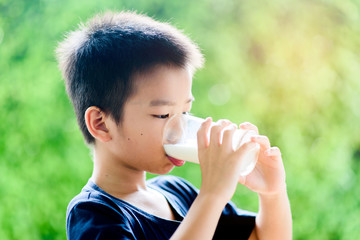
(244, 125)
(208, 119)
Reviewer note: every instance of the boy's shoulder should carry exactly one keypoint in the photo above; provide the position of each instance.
(93, 208)
(94, 213)
(173, 187)
(91, 199)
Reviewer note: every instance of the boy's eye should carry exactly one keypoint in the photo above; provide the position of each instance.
(161, 116)
(167, 115)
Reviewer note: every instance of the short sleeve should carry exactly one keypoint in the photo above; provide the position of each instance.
(235, 223)
(90, 220)
(179, 192)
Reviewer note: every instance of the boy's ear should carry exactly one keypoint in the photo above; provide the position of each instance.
(95, 123)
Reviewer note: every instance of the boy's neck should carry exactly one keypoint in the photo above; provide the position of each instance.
(115, 178)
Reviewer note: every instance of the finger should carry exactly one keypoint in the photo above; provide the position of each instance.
(249, 126)
(224, 122)
(228, 134)
(202, 136)
(242, 180)
(215, 134)
(262, 140)
(246, 147)
(216, 131)
(273, 152)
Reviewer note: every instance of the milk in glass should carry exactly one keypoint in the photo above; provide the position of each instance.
(180, 141)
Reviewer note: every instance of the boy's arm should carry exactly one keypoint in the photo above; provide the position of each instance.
(274, 219)
(202, 218)
(219, 169)
(219, 180)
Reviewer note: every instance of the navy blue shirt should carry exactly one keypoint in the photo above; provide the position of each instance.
(95, 214)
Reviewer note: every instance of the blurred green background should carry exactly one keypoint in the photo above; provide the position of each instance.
(290, 67)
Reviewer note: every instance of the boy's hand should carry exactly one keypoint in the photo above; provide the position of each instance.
(268, 176)
(219, 163)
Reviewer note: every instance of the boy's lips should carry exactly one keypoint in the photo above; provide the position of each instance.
(176, 162)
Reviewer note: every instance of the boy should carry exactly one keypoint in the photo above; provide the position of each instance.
(126, 74)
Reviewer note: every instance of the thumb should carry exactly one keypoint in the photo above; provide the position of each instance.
(241, 151)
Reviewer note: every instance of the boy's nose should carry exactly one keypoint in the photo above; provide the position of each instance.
(174, 131)
(175, 136)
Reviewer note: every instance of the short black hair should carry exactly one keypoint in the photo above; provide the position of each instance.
(99, 59)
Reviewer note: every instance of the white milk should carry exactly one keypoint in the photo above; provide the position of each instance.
(182, 151)
(188, 151)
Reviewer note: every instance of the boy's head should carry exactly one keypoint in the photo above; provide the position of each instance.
(100, 60)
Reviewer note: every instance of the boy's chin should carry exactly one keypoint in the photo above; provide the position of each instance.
(163, 171)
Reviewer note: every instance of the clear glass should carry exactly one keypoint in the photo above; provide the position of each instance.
(180, 141)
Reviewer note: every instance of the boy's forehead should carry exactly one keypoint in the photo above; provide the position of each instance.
(162, 86)
(159, 100)
(165, 102)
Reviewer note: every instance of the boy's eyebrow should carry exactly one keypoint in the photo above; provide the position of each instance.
(163, 102)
